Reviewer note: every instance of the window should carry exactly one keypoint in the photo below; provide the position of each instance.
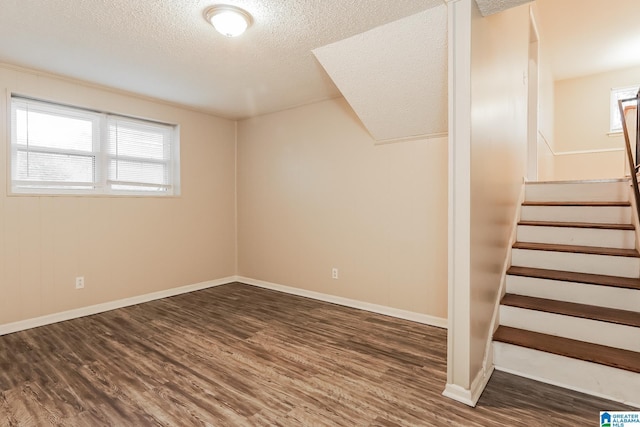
(617, 94)
(56, 149)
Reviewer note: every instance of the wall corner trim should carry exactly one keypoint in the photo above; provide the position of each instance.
(469, 397)
(374, 308)
(48, 319)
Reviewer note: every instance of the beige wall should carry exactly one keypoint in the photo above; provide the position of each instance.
(546, 160)
(582, 144)
(546, 107)
(124, 246)
(314, 192)
(499, 57)
(582, 110)
(589, 165)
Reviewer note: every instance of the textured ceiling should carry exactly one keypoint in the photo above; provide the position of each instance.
(586, 37)
(489, 7)
(166, 50)
(395, 76)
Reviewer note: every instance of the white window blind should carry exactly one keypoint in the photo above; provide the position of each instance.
(59, 149)
(139, 155)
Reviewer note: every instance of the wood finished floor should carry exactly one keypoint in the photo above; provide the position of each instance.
(237, 355)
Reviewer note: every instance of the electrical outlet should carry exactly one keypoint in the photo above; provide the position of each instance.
(79, 282)
(334, 273)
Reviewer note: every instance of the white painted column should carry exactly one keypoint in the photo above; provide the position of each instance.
(459, 261)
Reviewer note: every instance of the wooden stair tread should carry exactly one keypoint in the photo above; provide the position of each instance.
(624, 180)
(569, 276)
(596, 353)
(596, 204)
(603, 314)
(577, 249)
(597, 225)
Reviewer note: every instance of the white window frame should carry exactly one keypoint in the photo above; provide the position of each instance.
(101, 184)
(614, 110)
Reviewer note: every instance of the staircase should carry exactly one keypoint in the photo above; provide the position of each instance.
(571, 312)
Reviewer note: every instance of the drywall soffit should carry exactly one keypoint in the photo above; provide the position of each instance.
(395, 76)
(489, 7)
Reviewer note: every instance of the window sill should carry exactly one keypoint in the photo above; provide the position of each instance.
(94, 195)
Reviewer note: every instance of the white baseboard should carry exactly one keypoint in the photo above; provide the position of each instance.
(458, 393)
(22, 325)
(374, 308)
(469, 397)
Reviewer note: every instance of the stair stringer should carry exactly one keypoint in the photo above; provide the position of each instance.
(487, 361)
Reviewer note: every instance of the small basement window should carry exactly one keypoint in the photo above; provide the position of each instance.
(58, 149)
(615, 122)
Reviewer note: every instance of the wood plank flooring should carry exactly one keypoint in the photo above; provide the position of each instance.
(237, 355)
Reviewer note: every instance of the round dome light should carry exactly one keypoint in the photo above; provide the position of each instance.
(229, 21)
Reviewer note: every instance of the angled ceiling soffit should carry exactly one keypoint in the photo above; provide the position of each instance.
(395, 76)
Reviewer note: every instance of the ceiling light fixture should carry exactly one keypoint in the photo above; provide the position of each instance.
(228, 20)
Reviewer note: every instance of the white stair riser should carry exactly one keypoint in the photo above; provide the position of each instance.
(624, 239)
(581, 263)
(578, 192)
(581, 293)
(598, 214)
(576, 328)
(592, 378)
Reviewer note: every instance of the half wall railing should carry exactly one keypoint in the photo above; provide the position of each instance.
(634, 164)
